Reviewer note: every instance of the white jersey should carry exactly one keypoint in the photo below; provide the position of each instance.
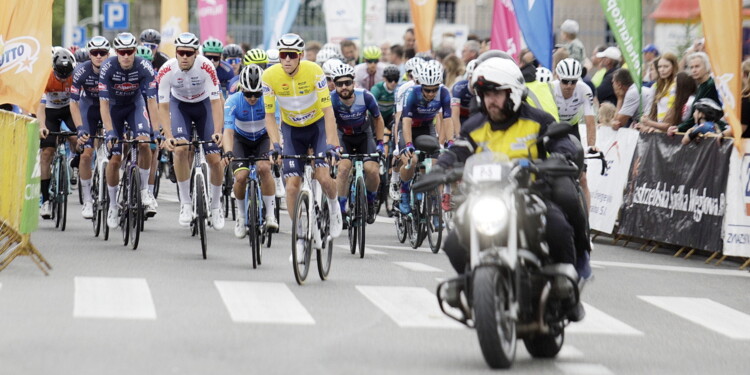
(190, 86)
(401, 94)
(580, 104)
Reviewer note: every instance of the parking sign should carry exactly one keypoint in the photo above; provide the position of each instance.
(116, 16)
(79, 36)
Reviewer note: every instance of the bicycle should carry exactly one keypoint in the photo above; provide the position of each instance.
(198, 192)
(59, 187)
(230, 205)
(99, 195)
(161, 168)
(310, 224)
(357, 209)
(383, 196)
(132, 215)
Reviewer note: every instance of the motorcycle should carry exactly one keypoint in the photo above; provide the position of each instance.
(512, 289)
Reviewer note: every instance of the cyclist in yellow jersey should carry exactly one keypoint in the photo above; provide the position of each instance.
(307, 120)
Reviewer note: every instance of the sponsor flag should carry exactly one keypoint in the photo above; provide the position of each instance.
(535, 20)
(344, 20)
(212, 17)
(625, 21)
(722, 27)
(26, 40)
(505, 33)
(278, 17)
(423, 13)
(174, 21)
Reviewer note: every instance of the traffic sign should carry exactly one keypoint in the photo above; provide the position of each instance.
(79, 36)
(116, 16)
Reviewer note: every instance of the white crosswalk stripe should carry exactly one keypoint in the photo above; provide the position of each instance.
(257, 302)
(707, 313)
(417, 267)
(408, 307)
(583, 369)
(113, 298)
(599, 322)
(368, 250)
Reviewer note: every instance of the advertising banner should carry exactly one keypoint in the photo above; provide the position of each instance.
(344, 20)
(278, 17)
(174, 21)
(676, 193)
(423, 13)
(535, 20)
(506, 36)
(212, 18)
(737, 219)
(625, 21)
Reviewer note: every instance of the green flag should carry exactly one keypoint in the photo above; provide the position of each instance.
(32, 177)
(624, 18)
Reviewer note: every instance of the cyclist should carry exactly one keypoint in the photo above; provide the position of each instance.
(462, 94)
(273, 57)
(328, 67)
(422, 105)
(122, 81)
(244, 116)
(369, 72)
(86, 113)
(232, 55)
(151, 39)
(183, 105)
(411, 68)
(384, 93)
(350, 107)
(146, 53)
(255, 56)
(307, 120)
(53, 110)
(81, 55)
(212, 50)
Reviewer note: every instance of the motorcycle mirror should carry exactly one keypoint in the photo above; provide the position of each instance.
(427, 143)
(557, 130)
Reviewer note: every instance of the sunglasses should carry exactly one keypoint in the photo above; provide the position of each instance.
(430, 91)
(213, 57)
(569, 81)
(372, 61)
(248, 94)
(347, 82)
(283, 55)
(153, 46)
(391, 80)
(233, 61)
(99, 52)
(125, 52)
(185, 53)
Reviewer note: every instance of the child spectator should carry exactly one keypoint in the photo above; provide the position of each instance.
(707, 114)
(606, 115)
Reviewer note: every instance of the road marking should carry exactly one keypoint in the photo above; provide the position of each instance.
(168, 197)
(417, 267)
(655, 267)
(707, 313)
(113, 298)
(368, 250)
(599, 322)
(583, 369)
(257, 302)
(569, 352)
(408, 307)
(403, 247)
(385, 220)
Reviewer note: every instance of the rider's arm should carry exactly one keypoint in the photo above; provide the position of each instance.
(374, 109)
(406, 129)
(104, 111)
(227, 140)
(41, 114)
(75, 113)
(104, 76)
(272, 128)
(75, 96)
(408, 112)
(217, 112)
(164, 93)
(332, 135)
(153, 110)
(588, 115)
(590, 130)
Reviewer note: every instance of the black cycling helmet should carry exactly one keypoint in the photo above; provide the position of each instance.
(81, 55)
(391, 73)
(232, 51)
(150, 36)
(710, 109)
(63, 63)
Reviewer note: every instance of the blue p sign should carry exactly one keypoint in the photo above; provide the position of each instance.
(116, 16)
(79, 36)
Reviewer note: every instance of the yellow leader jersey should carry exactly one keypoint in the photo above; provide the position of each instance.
(301, 97)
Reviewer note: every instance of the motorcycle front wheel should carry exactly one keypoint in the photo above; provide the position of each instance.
(496, 329)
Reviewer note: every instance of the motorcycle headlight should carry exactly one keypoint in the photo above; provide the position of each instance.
(490, 215)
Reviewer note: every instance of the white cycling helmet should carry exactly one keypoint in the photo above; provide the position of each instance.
(250, 78)
(292, 42)
(187, 40)
(497, 73)
(273, 56)
(543, 75)
(470, 68)
(569, 69)
(342, 70)
(326, 54)
(412, 64)
(329, 65)
(430, 73)
(97, 42)
(124, 41)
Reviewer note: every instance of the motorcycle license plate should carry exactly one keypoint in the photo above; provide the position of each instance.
(487, 172)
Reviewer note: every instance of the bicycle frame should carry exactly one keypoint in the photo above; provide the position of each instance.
(199, 166)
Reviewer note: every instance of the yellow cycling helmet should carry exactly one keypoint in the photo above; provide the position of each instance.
(372, 53)
(255, 56)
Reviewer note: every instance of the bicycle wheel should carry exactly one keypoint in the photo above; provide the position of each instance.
(55, 193)
(351, 216)
(325, 253)
(201, 214)
(80, 192)
(63, 197)
(104, 203)
(401, 227)
(135, 208)
(276, 209)
(361, 216)
(301, 237)
(122, 202)
(157, 178)
(96, 203)
(415, 230)
(252, 220)
(434, 223)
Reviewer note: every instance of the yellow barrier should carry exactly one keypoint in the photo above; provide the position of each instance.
(19, 188)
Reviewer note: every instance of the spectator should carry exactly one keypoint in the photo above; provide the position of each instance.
(485, 45)
(650, 53)
(679, 110)
(409, 40)
(700, 69)
(745, 117)
(442, 52)
(526, 57)
(595, 70)
(664, 87)
(397, 58)
(575, 47)
(473, 36)
(385, 50)
(628, 98)
(697, 46)
(470, 51)
(409, 53)
(560, 54)
(606, 115)
(370, 72)
(610, 61)
(311, 50)
(454, 68)
(349, 51)
(707, 115)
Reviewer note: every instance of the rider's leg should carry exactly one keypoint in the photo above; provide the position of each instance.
(154, 165)
(216, 178)
(342, 181)
(240, 184)
(292, 190)
(84, 171)
(46, 170)
(267, 187)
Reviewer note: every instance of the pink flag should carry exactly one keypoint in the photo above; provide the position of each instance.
(212, 17)
(506, 35)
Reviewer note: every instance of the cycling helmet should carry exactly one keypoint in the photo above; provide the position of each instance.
(332, 46)
(710, 109)
(493, 53)
(372, 53)
(63, 63)
(430, 73)
(250, 78)
(81, 55)
(326, 54)
(426, 56)
(543, 74)
(291, 42)
(568, 69)
(213, 45)
(232, 51)
(124, 41)
(329, 65)
(273, 56)
(255, 56)
(391, 73)
(150, 36)
(97, 42)
(470, 68)
(499, 74)
(144, 53)
(412, 64)
(187, 40)
(342, 70)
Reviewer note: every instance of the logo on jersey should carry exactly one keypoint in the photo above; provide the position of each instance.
(302, 117)
(211, 72)
(322, 83)
(74, 90)
(127, 86)
(102, 87)
(162, 72)
(20, 53)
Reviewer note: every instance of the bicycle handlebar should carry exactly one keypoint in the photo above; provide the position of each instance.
(598, 155)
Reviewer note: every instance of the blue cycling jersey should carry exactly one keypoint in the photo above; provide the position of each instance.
(353, 119)
(121, 86)
(225, 73)
(233, 85)
(462, 96)
(248, 121)
(85, 84)
(423, 112)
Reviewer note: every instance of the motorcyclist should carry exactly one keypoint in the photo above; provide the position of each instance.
(508, 124)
